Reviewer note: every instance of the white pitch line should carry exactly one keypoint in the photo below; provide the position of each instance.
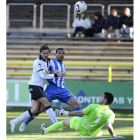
(109, 138)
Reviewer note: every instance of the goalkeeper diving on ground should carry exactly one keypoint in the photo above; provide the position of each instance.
(95, 117)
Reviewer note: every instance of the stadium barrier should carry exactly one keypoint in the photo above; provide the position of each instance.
(56, 4)
(85, 92)
(67, 21)
(102, 12)
(19, 20)
(108, 64)
(116, 5)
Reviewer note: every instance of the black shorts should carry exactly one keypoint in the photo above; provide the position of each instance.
(36, 92)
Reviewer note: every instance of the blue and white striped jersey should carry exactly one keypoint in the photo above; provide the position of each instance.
(57, 66)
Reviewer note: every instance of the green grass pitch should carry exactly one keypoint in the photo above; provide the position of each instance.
(123, 126)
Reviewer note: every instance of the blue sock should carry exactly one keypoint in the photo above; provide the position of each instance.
(78, 108)
(31, 118)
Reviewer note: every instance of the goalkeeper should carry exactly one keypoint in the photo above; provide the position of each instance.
(95, 117)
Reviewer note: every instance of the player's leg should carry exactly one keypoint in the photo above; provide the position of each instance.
(48, 109)
(55, 126)
(41, 109)
(66, 122)
(67, 97)
(41, 97)
(25, 115)
(35, 107)
(72, 102)
(35, 92)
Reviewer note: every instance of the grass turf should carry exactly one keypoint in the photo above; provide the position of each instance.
(123, 126)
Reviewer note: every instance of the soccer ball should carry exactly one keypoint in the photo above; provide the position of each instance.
(80, 7)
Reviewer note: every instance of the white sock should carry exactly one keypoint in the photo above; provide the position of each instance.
(22, 117)
(51, 115)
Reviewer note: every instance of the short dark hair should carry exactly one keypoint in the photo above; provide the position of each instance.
(109, 97)
(59, 49)
(44, 47)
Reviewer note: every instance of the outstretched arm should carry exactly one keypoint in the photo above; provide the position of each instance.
(76, 113)
(73, 113)
(62, 112)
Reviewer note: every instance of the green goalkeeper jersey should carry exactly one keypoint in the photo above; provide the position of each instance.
(95, 117)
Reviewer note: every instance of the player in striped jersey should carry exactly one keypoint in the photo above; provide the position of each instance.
(95, 117)
(36, 84)
(56, 88)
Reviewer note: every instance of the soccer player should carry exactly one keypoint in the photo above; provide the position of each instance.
(36, 84)
(56, 88)
(95, 117)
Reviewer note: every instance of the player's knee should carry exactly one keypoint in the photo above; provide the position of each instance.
(67, 122)
(41, 109)
(34, 110)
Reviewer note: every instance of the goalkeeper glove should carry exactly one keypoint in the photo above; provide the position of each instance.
(61, 112)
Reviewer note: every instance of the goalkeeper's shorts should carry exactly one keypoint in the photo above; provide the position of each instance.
(74, 123)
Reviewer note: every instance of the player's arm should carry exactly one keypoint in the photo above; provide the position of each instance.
(110, 129)
(109, 123)
(62, 112)
(44, 75)
(76, 113)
